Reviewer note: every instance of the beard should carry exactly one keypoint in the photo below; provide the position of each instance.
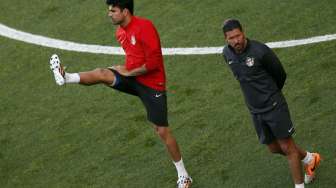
(240, 47)
(116, 22)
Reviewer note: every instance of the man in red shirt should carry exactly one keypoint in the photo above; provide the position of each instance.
(142, 75)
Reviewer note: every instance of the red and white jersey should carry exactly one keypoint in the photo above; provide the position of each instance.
(141, 43)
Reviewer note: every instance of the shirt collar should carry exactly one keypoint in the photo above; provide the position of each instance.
(133, 18)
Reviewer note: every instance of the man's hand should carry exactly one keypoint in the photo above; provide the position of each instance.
(135, 72)
(121, 69)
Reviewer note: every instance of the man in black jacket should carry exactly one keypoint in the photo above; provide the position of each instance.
(261, 77)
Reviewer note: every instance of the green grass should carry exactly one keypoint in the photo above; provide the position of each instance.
(100, 138)
(180, 23)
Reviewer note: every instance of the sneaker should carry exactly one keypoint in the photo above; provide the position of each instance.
(56, 67)
(184, 182)
(311, 167)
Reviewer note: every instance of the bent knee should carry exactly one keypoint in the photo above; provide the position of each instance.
(289, 150)
(275, 151)
(102, 72)
(105, 75)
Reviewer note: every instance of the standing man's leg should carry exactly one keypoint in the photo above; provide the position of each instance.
(310, 160)
(155, 103)
(280, 126)
(275, 129)
(294, 157)
(174, 151)
(170, 142)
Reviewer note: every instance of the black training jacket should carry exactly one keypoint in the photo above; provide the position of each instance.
(260, 74)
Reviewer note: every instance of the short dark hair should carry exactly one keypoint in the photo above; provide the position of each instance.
(122, 4)
(231, 24)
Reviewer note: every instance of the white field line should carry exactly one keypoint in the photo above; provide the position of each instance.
(98, 49)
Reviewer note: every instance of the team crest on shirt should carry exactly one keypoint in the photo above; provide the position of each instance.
(249, 61)
(133, 40)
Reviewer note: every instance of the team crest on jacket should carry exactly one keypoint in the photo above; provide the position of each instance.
(249, 61)
(133, 40)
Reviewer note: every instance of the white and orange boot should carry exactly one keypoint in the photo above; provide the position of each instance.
(311, 167)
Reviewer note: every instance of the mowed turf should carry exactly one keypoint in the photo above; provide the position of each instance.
(180, 23)
(76, 136)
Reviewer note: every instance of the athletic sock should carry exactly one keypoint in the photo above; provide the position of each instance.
(72, 78)
(181, 171)
(308, 158)
(299, 185)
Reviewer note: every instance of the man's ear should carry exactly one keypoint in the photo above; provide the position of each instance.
(125, 11)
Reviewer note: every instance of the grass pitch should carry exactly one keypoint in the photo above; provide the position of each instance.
(94, 137)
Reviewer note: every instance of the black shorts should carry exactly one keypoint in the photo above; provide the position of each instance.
(274, 124)
(154, 101)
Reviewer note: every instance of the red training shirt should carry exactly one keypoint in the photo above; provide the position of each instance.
(141, 43)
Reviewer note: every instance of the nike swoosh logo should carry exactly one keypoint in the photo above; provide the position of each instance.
(290, 130)
(158, 95)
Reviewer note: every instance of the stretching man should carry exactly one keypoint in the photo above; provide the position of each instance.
(262, 77)
(142, 75)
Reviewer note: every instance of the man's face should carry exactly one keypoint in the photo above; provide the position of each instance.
(236, 39)
(117, 15)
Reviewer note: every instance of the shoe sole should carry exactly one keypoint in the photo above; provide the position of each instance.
(58, 74)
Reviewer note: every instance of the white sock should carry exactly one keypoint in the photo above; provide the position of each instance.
(72, 78)
(181, 171)
(308, 158)
(299, 185)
